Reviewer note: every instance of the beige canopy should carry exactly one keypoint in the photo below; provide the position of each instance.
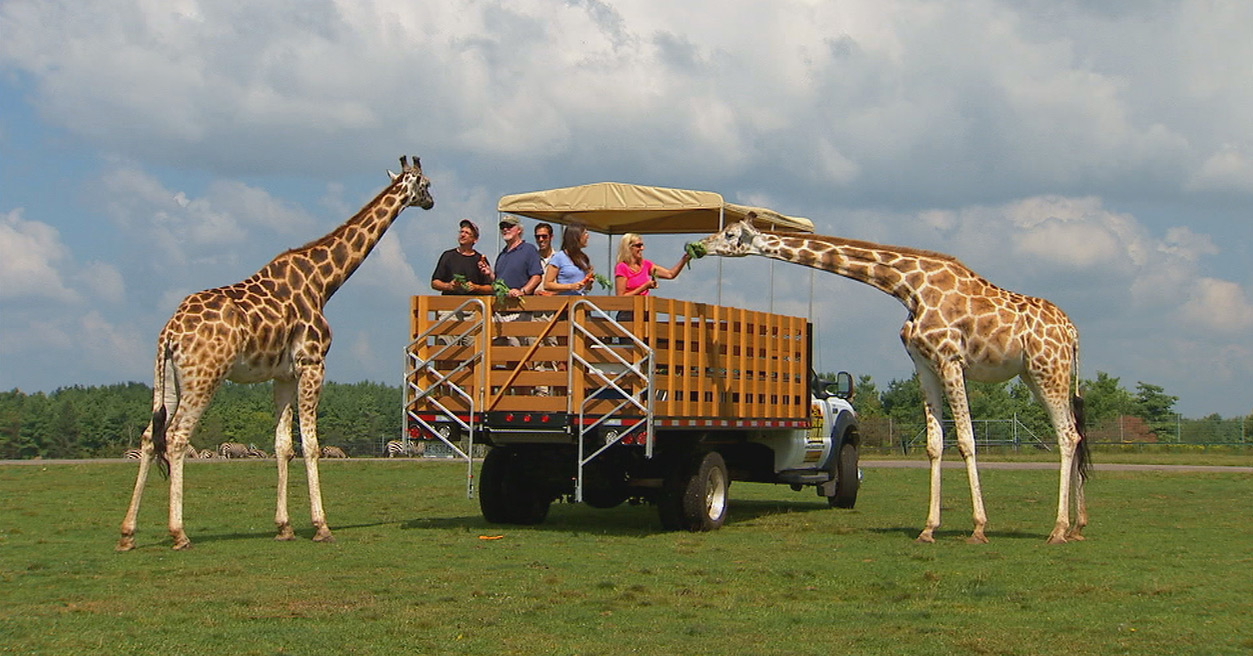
(618, 208)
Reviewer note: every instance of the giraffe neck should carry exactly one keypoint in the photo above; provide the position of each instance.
(885, 268)
(323, 265)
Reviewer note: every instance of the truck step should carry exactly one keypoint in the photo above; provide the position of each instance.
(807, 477)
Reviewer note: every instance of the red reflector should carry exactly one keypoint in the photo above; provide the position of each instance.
(526, 419)
(543, 419)
(509, 417)
(413, 433)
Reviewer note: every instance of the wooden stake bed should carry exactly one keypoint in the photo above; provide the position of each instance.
(682, 364)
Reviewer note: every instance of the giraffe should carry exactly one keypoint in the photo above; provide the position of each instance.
(268, 327)
(960, 326)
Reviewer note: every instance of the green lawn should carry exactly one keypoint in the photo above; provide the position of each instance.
(1167, 569)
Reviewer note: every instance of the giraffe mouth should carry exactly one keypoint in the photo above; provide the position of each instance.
(696, 250)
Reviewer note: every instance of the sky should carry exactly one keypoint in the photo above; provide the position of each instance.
(1099, 155)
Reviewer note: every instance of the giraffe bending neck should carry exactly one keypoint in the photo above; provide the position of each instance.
(959, 326)
(886, 268)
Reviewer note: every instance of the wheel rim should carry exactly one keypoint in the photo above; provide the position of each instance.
(715, 494)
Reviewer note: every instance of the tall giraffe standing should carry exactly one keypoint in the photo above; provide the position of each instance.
(960, 326)
(268, 327)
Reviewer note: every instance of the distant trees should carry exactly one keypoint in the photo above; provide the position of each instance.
(85, 422)
(1148, 412)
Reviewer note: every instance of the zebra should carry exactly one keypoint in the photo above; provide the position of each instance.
(138, 454)
(333, 452)
(206, 454)
(398, 448)
(233, 450)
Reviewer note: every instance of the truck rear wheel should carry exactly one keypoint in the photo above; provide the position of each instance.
(506, 493)
(846, 479)
(695, 495)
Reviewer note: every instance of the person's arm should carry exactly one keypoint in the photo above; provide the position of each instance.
(529, 287)
(671, 274)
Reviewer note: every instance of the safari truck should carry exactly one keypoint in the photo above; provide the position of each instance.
(607, 400)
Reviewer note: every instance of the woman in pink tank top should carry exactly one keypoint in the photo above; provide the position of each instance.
(635, 275)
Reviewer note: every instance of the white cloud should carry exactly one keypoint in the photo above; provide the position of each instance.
(1219, 306)
(113, 347)
(31, 253)
(176, 227)
(1229, 169)
(103, 281)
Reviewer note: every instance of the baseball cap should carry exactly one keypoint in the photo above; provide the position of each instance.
(467, 223)
(510, 220)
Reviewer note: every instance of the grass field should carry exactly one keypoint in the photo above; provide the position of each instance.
(1167, 569)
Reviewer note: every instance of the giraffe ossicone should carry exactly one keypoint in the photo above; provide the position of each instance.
(268, 327)
(960, 327)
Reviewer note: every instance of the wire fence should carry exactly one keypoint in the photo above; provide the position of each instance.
(1127, 431)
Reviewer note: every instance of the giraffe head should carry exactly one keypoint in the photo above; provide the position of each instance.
(736, 240)
(416, 186)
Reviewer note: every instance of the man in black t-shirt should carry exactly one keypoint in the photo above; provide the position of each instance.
(471, 265)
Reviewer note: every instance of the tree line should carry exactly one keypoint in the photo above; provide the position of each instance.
(1112, 412)
(104, 421)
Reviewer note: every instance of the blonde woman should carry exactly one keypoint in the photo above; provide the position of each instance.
(634, 275)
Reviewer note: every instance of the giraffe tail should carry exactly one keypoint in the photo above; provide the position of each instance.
(160, 416)
(1083, 458)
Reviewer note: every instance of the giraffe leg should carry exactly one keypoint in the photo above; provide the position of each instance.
(175, 455)
(195, 399)
(127, 541)
(935, 448)
(1081, 506)
(311, 377)
(284, 401)
(955, 388)
(1057, 403)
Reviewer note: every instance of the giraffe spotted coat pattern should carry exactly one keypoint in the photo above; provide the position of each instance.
(268, 327)
(960, 326)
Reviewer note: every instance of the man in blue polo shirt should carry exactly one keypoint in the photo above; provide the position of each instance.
(518, 264)
(518, 267)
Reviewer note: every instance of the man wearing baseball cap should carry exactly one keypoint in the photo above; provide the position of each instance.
(518, 264)
(471, 265)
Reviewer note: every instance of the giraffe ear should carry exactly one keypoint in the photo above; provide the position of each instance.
(391, 175)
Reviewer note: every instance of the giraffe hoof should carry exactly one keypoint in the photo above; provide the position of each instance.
(285, 534)
(324, 535)
(977, 538)
(182, 545)
(1057, 538)
(125, 544)
(925, 538)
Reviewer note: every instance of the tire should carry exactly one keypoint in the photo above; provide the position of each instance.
(695, 496)
(507, 495)
(846, 478)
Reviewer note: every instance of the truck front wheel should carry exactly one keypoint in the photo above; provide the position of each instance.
(507, 495)
(846, 478)
(695, 496)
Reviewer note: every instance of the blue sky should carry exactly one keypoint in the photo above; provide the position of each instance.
(1100, 157)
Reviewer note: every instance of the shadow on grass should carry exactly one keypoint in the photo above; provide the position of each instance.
(305, 533)
(912, 532)
(625, 520)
